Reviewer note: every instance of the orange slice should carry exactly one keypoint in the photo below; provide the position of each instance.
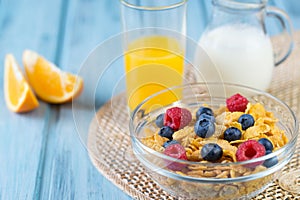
(49, 82)
(18, 95)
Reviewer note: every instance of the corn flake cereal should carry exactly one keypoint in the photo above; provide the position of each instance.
(264, 127)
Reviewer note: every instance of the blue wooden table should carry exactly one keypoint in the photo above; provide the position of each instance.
(41, 156)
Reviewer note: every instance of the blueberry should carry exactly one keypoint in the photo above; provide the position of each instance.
(204, 128)
(267, 144)
(209, 117)
(271, 161)
(159, 121)
(169, 142)
(246, 121)
(166, 132)
(211, 152)
(268, 152)
(232, 133)
(204, 110)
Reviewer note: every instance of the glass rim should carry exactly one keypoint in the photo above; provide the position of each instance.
(154, 8)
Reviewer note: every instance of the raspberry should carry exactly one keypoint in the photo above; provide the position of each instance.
(177, 118)
(237, 103)
(249, 150)
(175, 151)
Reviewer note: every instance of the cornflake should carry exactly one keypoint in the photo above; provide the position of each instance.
(264, 127)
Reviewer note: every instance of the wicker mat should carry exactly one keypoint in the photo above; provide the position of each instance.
(110, 149)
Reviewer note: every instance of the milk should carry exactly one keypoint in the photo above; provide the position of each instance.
(242, 54)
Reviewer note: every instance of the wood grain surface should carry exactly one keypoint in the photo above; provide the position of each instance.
(41, 156)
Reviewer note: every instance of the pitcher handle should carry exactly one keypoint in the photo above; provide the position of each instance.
(285, 22)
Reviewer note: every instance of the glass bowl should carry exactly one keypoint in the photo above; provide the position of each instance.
(209, 180)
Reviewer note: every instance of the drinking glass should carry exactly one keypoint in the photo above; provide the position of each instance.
(154, 51)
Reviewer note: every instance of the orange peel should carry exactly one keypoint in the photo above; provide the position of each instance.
(19, 96)
(50, 83)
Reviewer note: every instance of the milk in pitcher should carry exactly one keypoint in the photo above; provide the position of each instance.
(242, 54)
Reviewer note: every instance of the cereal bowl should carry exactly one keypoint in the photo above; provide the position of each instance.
(185, 168)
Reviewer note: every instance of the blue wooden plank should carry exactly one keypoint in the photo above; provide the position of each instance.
(64, 172)
(68, 172)
(24, 24)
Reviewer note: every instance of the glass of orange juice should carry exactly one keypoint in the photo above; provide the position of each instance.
(154, 47)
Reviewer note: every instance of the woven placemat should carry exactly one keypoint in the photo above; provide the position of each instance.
(110, 149)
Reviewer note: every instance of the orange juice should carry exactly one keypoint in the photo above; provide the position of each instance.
(153, 63)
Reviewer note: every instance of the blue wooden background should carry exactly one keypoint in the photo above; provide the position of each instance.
(41, 156)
